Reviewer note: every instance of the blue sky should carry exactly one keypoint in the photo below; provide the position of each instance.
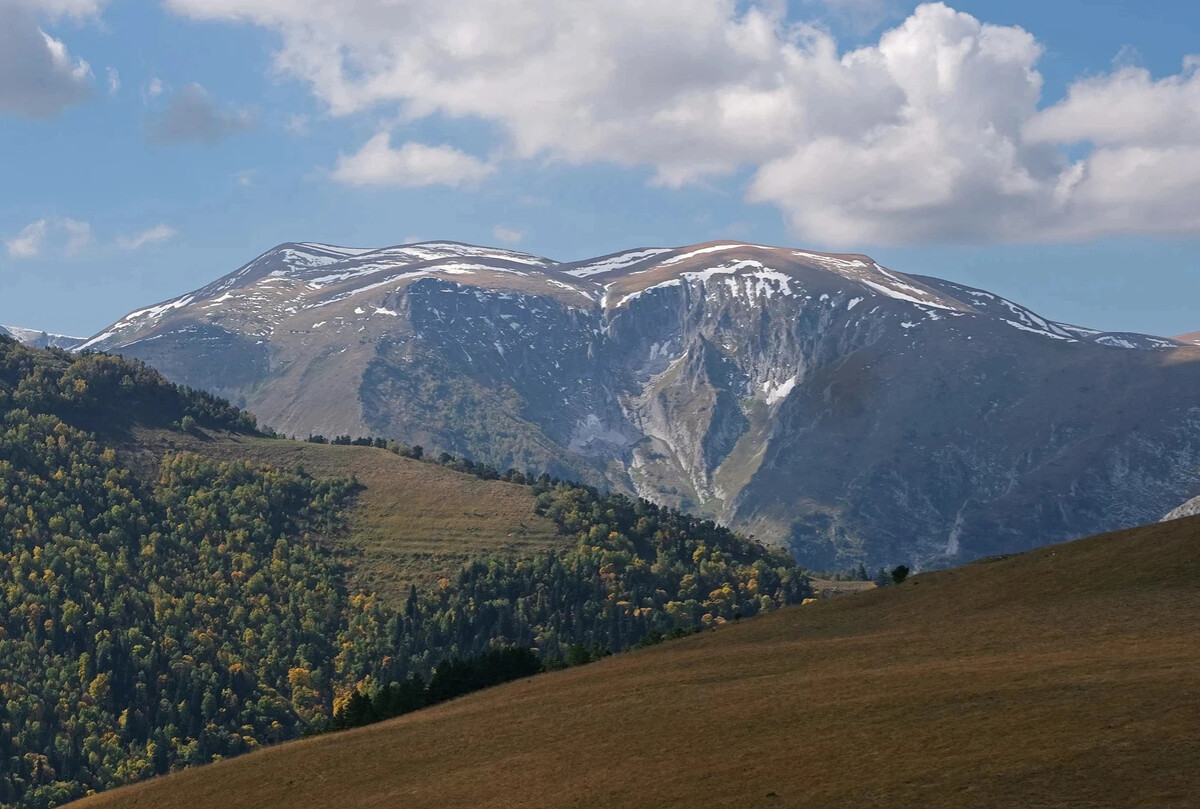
(952, 143)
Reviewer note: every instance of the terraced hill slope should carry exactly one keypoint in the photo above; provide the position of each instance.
(1063, 677)
(410, 523)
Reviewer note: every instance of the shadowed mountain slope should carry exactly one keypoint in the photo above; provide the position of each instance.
(1063, 677)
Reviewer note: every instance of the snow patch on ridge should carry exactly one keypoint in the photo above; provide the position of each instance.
(763, 281)
(712, 249)
(616, 262)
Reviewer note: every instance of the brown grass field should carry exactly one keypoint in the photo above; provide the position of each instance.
(411, 523)
(1065, 677)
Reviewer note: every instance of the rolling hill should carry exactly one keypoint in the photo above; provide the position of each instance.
(819, 401)
(1062, 677)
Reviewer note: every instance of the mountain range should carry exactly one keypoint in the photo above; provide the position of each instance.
(815, 400)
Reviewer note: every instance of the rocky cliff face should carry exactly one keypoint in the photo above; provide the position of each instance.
(821, 401)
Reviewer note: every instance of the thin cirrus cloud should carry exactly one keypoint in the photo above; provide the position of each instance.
(193, 116)
(412, 165)
(151, 236)
(935, 131)
(39, 77)
(71, 236)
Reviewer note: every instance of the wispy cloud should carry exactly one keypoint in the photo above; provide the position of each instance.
(79, 235)
(28, 243)
(70, 236)
(155, 235)
(508, 235)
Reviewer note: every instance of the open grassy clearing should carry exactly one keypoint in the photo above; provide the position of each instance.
(1064, 677)
(413, 522)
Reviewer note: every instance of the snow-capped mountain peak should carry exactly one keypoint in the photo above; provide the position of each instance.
(819, 399)
(294, 278)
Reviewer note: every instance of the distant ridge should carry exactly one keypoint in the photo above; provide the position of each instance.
(42, 339)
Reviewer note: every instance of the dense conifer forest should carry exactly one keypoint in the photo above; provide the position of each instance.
(150, 623)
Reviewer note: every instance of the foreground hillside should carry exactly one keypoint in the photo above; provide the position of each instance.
(851, 412)
(1064, 677)
(163, 609)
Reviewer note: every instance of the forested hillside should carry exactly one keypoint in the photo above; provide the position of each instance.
(149, 623)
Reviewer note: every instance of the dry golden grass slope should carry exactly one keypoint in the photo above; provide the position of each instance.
(411, 522)
(1065, 677)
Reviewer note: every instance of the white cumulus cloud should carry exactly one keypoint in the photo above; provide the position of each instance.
(938, 131)
(377, 163)
(1142, 172)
